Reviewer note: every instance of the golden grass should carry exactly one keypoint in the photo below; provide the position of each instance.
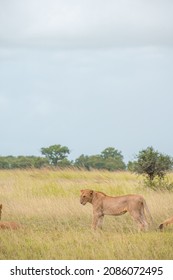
(56, 226)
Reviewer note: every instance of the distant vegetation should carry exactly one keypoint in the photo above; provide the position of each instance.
(149, 162)
(109, 159)
(56, 156)
(22, 162)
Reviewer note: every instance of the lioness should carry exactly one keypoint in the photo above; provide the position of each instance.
(9, 225)
(166, 223)
(108, 205)
(0, 210)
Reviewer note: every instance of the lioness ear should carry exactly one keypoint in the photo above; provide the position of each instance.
(91, 193)
(81, 191)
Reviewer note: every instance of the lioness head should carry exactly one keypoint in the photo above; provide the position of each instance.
(0, 210)
(86, 196)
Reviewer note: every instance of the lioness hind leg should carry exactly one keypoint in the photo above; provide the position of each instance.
(143, 218)
(139, 219)
(142, 224)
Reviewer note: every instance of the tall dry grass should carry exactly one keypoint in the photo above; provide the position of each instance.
(56, 226)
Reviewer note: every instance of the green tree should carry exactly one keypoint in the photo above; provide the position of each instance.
(152, 164)
(111, 152)
(96, 162)
(39, 162)
(109, 159)
(82, 161)
(113, 159)
(55, 154)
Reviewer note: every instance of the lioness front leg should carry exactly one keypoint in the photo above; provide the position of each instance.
(100, 222)
(97, 221)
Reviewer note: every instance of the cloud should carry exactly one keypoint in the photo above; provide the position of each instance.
(85, 24)
(86, 74)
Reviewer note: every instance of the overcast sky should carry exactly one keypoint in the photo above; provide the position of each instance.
(86, 74)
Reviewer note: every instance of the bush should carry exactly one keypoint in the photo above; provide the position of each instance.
(152, 163)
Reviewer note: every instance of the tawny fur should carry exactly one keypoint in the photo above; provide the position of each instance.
(166, 223)
(9, 225)
(0, 210)
(108, 205)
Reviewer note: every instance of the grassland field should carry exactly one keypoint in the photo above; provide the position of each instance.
(56, 226)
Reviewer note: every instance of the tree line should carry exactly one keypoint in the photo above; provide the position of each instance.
(148, 161)
(57, 156)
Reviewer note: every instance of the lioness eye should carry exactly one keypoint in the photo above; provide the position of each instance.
(83, 196)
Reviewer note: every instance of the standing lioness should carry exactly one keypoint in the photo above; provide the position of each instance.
(108, 205)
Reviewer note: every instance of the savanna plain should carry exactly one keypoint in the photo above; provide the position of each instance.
(55, 226)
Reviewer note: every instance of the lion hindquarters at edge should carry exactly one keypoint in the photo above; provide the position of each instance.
(166, 223)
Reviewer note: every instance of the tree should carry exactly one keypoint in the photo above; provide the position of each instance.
(55, 154)
(113, 159)
(152, 163)
(111, 152)
(82, 161)
(109, 159)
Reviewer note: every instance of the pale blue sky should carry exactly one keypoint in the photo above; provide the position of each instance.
(87, 74)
